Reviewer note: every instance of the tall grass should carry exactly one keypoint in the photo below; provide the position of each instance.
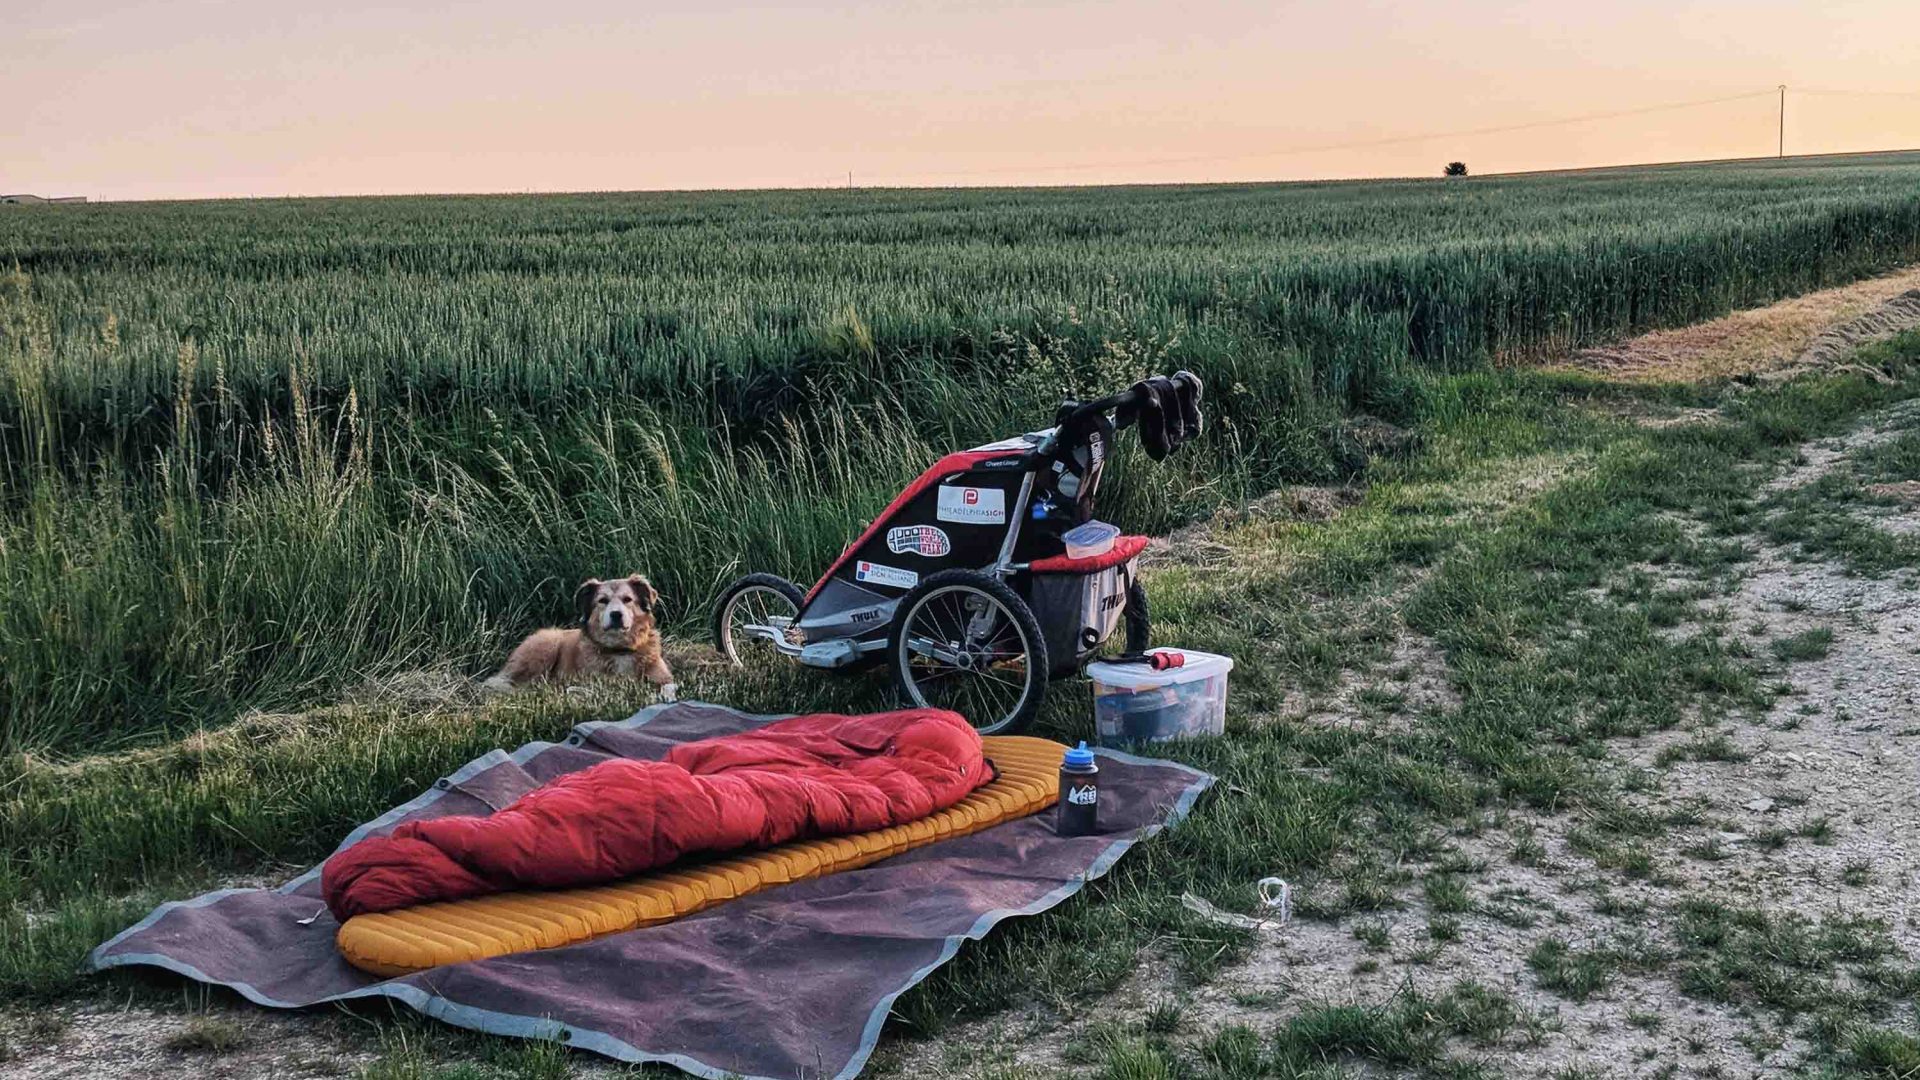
(251, 452)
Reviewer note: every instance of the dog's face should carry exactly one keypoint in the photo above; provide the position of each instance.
(615, 614)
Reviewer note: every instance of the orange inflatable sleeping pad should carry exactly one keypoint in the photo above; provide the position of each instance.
(392, 943)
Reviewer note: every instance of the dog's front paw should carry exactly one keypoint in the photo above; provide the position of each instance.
(670, 691)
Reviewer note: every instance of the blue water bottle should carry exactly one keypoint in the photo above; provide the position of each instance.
(1079, 794)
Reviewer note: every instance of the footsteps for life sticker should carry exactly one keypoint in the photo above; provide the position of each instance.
(928, 540)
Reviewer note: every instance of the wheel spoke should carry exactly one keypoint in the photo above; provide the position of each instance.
(985, 676)
(956, 618)
(753, 606)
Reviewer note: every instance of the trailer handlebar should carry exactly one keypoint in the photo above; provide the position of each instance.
(1080, 414)
(1085, 411)
(1173, 420)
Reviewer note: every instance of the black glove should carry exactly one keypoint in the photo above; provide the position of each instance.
(1151, 420)
(1169, 395)
(1190, 388)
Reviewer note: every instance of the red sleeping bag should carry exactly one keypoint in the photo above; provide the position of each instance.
(818, 775)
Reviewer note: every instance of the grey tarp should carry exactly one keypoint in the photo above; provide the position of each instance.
(792, 982)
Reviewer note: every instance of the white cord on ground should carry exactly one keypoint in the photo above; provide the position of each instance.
(1277, 894)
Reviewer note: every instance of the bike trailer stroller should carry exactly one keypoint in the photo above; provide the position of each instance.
(963, 584)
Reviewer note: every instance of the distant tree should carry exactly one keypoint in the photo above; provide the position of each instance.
(1456, 168)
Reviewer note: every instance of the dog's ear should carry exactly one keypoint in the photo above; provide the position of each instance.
(583, 597)
(644, 591)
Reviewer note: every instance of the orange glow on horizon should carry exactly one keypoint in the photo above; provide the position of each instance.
(222, 98)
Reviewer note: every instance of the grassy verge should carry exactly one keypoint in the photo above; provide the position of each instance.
(1831, 514)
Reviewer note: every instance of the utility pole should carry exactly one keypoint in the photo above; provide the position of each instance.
(1783, 119)
(849, 179)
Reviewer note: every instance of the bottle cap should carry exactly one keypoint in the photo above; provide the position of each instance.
(1079, 757)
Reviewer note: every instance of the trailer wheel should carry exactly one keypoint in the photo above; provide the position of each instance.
(965, 641)
(748, 610)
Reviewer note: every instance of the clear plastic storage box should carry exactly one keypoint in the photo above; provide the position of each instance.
(1132, 703)
(1089, 539)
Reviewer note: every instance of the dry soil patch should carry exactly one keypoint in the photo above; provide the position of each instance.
(1763, 339)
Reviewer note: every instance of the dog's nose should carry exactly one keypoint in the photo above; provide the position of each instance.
(616, 617)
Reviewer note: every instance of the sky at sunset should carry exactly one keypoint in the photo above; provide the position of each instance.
(266, 97)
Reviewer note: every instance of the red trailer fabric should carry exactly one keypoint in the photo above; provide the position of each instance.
(957, 462)
(1124, 549)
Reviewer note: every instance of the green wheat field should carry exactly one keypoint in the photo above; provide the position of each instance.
(255, 452)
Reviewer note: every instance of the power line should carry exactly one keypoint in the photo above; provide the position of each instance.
(1362, 143)
(1915, 94)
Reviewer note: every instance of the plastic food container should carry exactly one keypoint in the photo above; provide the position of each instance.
(1089, 539)
(1132, 703)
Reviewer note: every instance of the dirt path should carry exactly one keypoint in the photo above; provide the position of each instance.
(1813, 813)
(1810, 330)
(206, 1036)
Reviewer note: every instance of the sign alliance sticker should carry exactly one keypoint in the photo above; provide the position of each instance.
(973, 506)
(928, 540)
(885, 575)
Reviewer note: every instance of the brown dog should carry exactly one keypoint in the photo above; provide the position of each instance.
(616, 636)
